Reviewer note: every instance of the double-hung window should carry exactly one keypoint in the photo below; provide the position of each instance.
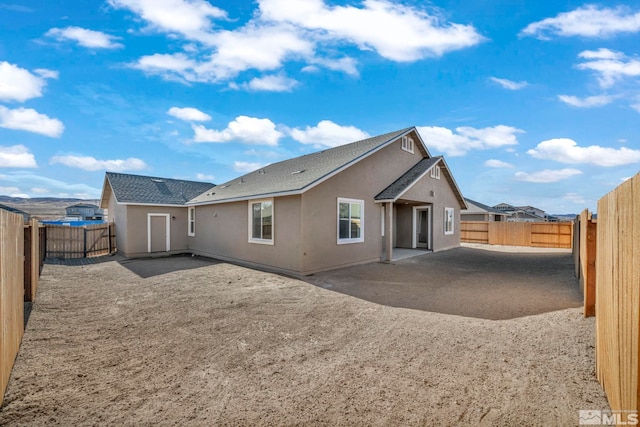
(448, 220)
(350, 221)
(191, 231)
(261, 221)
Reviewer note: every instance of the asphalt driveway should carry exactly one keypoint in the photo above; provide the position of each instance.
(464, 281)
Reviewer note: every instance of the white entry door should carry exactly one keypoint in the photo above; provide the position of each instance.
(422, 227)
(158, 233)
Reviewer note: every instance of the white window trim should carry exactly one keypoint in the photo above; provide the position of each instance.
(453, 221)
(407, 144)
(435, 172)
(349, 240)
(250, 222)
(191, 218)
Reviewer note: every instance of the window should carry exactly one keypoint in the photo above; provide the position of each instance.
(407, 144)
(448, 220)
(261, 221)
(191, 231)
(435, 172)
(350, 221)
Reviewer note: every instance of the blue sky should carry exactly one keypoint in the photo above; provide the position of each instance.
(531, 103)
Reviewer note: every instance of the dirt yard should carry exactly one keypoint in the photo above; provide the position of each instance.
(187, 341)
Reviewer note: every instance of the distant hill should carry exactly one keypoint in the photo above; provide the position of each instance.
(44, 208)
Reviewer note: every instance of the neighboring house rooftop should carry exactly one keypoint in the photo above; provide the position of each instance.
(83, 205)
(139, 189)
(482, 207)
(295, 175)
(15, 210)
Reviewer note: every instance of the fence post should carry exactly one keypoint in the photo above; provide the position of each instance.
(84, 249)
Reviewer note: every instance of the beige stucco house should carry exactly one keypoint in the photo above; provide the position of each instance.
(342, 206)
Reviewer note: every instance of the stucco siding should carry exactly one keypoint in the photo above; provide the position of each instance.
(443, 197)
(136, 240)
(362, 181)
(222, 231)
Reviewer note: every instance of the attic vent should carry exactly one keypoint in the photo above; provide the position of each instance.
(298, 172)
(157, 180)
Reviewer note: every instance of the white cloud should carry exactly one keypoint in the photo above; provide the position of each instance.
(575, 198)
(260, 47)
(45, 73)
(31, 121)
(248, 130)
(493, 163)
(246, 166)
(191, 18)
(11, 191)
(586, 21)
(18, 84)
(587, 102)
(509, 84)
(468, 138)
(92, 164)
(283, 31)
(169, 66)
(38, 190)
(610, 66)
(547, 175)
(636, 107)
(189, 114)
(346, 65)
(87, 38)
(204, 177)
(566, 150)
(263, 48)
(602, 53)
(328, 134)
(16, 156)
(273, 83)
(395, 31)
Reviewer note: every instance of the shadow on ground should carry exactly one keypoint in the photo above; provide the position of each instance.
(465, 282)
(149, 267)
(143, 267)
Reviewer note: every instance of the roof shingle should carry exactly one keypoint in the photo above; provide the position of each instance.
(152, 190)
(298, 173)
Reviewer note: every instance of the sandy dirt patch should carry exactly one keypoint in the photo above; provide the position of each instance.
(187, 341)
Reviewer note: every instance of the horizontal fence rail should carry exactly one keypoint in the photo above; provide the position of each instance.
(536, 234)
(65, 241)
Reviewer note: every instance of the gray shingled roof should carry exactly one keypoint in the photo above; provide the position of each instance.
(139, 189)
(296, 174)
(485, 207)
(401, 184)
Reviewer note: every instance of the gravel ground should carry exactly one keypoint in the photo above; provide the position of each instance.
(189, 341)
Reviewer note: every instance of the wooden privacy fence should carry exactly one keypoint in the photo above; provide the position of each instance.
(64, 241)
(11, 292)
(584, 257)
(34, 254)
(537, 234)
(618, 296)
